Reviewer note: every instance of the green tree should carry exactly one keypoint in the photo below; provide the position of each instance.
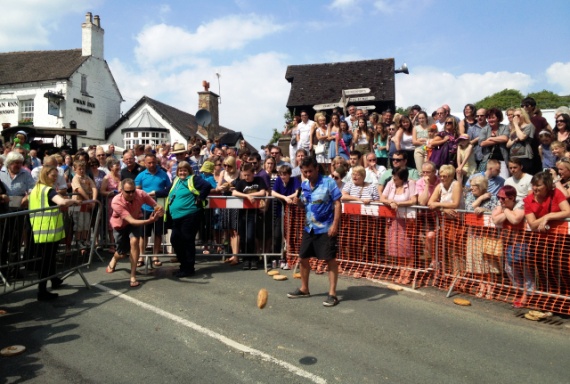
(403, 111)
(275, 137)
(504, 99)
(549, 100)
(511, 98)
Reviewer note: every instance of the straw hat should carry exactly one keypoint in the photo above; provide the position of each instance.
(178, 148)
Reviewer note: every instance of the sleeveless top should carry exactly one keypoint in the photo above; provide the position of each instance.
(406, 144)
(362, 139)
(446, 194)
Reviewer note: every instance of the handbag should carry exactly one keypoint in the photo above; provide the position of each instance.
(320, 149)
(293, 141)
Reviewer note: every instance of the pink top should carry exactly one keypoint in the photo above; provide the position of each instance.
(421, 186)
(112, 184)
(409, 191)
(123, 208)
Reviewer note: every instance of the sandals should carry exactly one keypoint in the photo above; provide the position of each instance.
(157, 263)
(109, 269)
(134, 284)
(481, 291)
(232, 260)
(490, 294)
(140, 263)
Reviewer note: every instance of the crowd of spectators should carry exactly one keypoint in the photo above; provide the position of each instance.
(449, 164)
(442, 162)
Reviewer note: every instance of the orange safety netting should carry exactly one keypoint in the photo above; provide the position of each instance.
(509, 264)
(374, 242)
(466, 254)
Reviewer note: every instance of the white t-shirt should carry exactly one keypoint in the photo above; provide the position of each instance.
(304, 134)
(522, 185)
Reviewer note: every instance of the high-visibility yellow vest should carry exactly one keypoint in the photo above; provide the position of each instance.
(47, 226)
(192, 189)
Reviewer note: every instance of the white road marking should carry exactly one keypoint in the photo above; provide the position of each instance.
(221, 338)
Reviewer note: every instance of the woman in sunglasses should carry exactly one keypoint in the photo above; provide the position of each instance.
(562, 129)
(522, 132)
(509, 215)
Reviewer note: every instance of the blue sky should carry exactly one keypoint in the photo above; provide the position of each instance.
(457, 51)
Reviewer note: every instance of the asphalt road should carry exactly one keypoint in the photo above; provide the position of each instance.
(208, 329)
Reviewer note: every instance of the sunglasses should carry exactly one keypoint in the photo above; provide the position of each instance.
(396, 160)
(129, 192)
(449, 122)
(560, 121)
(274, 153)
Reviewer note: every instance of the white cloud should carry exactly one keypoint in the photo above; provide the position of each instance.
(430, 87)
(343, 4)
(559, 74)
(253, 91)
(26, 24)
(161, 42)
(397, 6)
(356, 7)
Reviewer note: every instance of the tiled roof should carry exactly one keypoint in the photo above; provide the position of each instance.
(33, 66)
(323, 83)
(183, 122)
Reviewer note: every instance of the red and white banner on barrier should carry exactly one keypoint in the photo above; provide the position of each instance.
(224, 203)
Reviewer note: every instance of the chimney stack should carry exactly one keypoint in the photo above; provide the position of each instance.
(92, 37)
(209, 100)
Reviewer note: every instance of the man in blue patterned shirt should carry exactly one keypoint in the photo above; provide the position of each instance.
(321, 198)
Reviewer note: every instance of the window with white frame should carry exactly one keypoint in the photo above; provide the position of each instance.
(26, 110)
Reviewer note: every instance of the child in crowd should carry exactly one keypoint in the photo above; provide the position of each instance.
(466, 165)
(381, 145)
(558, 150)
(431, 134)
(83, 188)
(545, 150)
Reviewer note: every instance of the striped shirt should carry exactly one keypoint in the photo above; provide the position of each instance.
(368, 191)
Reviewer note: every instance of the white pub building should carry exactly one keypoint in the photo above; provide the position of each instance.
(65, 97)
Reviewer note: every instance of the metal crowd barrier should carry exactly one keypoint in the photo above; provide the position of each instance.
(506, 264)
(231, 226)
(22, 260)
(466, 254)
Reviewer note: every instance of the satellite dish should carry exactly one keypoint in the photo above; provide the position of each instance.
(403, 69)
(203, 117)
